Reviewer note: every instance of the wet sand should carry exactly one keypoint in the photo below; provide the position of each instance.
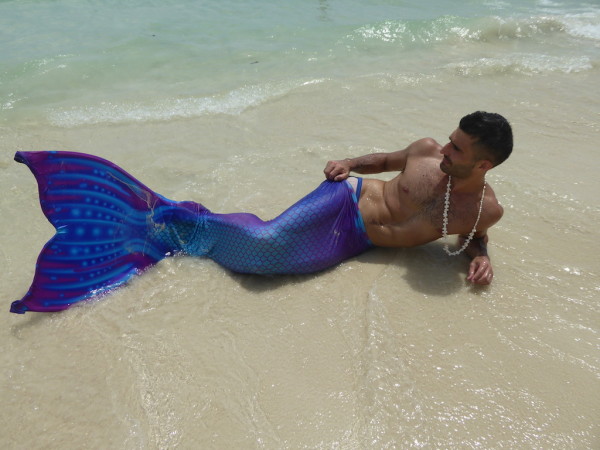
(391, 349)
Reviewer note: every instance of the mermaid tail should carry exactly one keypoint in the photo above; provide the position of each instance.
(109, 227)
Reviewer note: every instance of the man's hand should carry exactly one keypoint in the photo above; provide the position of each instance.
(337, 170)
(480, 271)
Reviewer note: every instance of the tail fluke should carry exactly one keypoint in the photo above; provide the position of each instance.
(109, 226)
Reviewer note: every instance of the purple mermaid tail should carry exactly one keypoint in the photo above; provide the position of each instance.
(109, 227)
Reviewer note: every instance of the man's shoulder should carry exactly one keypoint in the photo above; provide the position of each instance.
(493, 210)
(424, 147)
(422, 150)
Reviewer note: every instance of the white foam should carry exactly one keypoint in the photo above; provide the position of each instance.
(232, 103)
(450, 29)
(446, 28)
(583, 25)
(522, 63)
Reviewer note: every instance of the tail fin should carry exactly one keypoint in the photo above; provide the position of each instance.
(108, 227)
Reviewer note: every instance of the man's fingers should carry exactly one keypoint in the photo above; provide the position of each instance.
(333, 175)
(335, 171)
(330, 169)
(473, 269)
(484, 278)
(480, 273)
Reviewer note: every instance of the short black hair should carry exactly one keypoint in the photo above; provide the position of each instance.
(493, 134)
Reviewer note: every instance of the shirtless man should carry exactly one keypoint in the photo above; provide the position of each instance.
(408, 210)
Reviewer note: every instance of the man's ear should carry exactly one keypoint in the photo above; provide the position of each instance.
(485, 164)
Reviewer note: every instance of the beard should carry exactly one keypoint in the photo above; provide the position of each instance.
(456, 170)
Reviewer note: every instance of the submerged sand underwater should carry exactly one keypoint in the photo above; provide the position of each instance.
(390, 350)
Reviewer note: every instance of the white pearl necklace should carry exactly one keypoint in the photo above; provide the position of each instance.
(445, 220)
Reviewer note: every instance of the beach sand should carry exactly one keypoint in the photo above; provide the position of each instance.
(392, 349)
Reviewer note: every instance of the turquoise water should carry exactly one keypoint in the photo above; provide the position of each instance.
(72, 62)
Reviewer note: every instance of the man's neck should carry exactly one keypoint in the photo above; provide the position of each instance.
(472, 184)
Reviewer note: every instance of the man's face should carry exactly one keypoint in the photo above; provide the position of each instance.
(459, 155)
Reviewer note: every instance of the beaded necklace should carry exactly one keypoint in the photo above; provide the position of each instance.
(445, 220)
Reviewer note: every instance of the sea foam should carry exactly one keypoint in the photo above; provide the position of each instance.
(231, 103)
(528, 64)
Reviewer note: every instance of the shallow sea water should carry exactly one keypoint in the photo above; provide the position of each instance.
(392, 349)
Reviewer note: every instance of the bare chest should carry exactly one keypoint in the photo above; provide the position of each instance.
(421, 196)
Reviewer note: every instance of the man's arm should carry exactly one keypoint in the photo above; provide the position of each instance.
(377, 162)
(373, 163)
(480, 269)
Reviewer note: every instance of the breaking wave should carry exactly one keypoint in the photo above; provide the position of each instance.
(454, 29)
(528, 64)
